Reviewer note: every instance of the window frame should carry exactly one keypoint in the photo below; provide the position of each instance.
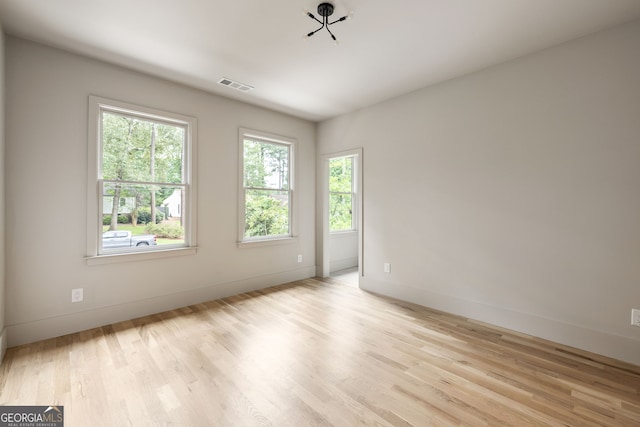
(269, 138)
(353, 194)
(95, 181)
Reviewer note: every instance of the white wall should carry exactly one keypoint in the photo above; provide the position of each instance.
(511, 195)
(3, 332)
(343, 252)
(46, 172)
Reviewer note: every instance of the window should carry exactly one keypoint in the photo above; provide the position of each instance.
(342, 196)
(266, 199)
(141, 168)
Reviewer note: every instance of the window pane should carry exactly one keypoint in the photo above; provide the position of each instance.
(340, 212)
(168, 153)
(341, 194)
(266, 213)
(340, 174)
(135, 149)
(126, 143)
(127, 216)
(266, 165)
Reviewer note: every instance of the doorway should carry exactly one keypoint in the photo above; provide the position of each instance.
(342, 216)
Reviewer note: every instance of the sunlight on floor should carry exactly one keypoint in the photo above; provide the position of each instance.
(348, 276)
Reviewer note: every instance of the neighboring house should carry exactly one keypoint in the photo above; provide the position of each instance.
(173, 204)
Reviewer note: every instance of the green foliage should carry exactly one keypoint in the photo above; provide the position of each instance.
(129, 144)
(340, 212)
(340, 174)
(144, 215)
(266, 213)
(266, 165)
(169, 230)
(340, 193)
(136, 149)
(122, 219)
(266, 179)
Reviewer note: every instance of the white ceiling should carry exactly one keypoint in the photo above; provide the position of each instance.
(387, 49)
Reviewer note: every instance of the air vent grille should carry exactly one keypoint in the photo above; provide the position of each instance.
(235, 85)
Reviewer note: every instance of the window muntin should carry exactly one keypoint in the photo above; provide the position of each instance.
(267, 190)
(142, 171)
(342, 196)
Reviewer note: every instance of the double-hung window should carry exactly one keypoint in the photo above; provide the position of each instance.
(342, 195)
(141, 186)
(267, 190)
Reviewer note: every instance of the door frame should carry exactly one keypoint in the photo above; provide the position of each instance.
(357, 175)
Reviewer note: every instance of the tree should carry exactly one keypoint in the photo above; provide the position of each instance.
(341, 193)
(266, 182)
(136, 149)
(123, 141)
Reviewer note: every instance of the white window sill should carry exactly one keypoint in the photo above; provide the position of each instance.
(140, 256)
(267, 242)
(343, 233)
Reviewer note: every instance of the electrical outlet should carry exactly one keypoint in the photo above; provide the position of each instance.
(300, 258)
(77, 295)
(387, 267)
(635, 317)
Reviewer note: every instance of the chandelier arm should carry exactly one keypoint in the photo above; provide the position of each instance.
(332, 36)
(338, 20)
(312, 16)
(315, 31)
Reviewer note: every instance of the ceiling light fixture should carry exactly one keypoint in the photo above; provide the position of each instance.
(325, 10)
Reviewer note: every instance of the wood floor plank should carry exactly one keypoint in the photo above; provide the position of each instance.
(317, 353)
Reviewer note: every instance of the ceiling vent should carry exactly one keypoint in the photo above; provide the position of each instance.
(235, 85)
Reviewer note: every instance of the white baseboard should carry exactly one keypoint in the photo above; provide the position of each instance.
(3, 344)
(37, 330)
(615, 346)
(342, 264)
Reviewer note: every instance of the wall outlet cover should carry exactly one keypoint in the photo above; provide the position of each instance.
(635, 317)
(77, 295)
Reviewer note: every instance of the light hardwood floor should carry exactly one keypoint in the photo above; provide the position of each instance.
(317, 352)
